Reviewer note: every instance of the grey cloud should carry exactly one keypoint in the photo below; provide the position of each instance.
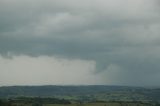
(124, 33)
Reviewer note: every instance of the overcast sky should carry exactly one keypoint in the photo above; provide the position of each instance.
(111, 42)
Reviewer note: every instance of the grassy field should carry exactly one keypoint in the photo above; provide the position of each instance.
(37, 101)
(103, 104)
(92, 104)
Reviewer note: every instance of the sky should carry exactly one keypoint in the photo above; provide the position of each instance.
(80, 42)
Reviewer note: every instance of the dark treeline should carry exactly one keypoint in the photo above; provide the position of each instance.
(35, 101)
(39, 100)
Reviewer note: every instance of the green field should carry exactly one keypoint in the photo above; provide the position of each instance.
(92, 104)
(37, 101)
(103, 104)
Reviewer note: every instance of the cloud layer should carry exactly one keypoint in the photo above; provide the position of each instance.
(120, 36)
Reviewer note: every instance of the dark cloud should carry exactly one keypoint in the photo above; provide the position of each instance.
(123, 34)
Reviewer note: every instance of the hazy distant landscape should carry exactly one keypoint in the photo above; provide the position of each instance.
(91, 95)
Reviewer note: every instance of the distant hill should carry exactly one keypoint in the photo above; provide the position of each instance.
(88, 93)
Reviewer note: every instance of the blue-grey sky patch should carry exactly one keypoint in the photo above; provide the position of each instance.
(118, 38)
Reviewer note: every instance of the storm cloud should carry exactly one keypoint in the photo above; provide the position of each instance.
(120, 39)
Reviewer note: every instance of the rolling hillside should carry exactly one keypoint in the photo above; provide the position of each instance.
(86, 93)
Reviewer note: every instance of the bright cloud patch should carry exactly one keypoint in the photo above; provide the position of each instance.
(23, 70)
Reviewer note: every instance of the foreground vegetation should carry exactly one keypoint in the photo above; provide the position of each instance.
(37, 101)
